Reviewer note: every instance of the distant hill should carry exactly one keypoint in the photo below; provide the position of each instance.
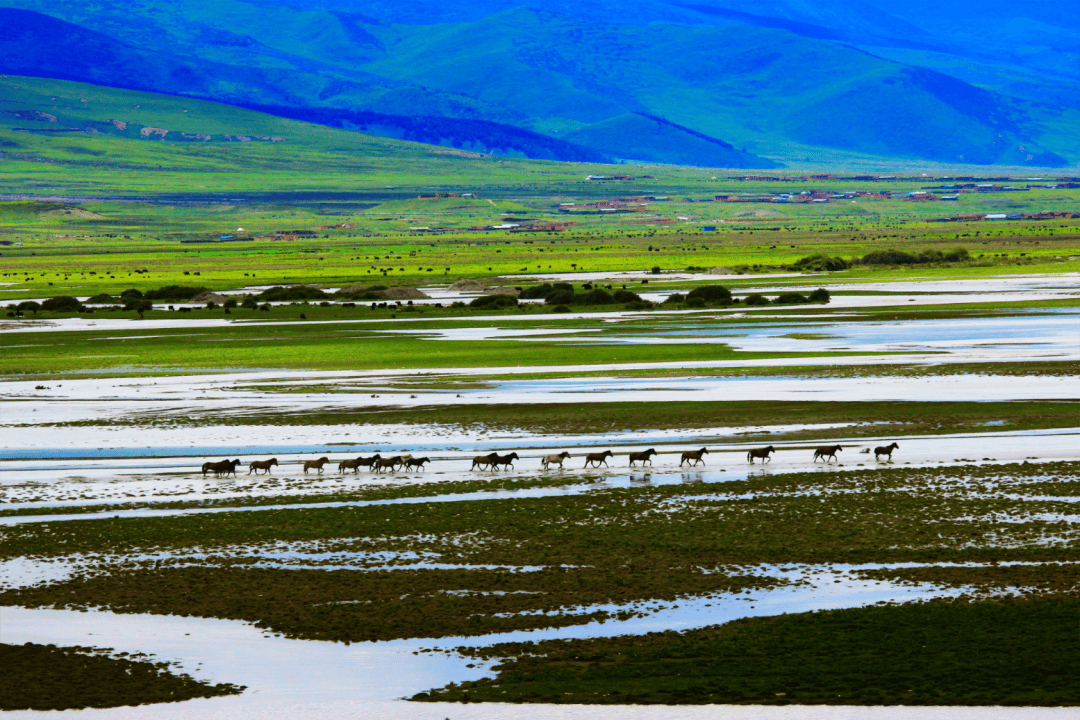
(698, 83)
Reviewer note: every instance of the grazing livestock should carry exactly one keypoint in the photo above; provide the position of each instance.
(762, 453)
(315, 464)
(507, 460)
(827, 452)
(642, 457)
(885, 450)
(695, 455)
(416, 463)
(257, 465)
(225, 467)
(598, 458)
(554, 460)
(369, 463)
(482, 461)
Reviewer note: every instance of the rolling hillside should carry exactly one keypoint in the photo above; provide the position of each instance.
(680, 83)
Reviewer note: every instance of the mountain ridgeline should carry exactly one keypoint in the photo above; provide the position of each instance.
(696, 83)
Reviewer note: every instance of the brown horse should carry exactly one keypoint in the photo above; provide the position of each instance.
(257, 465)
(225, 467)
(598, 458)
(507, 460)
(369, 463)
(554, 460)
(353, 465)
(483, 461)
(412, 463)
(315, 464)
(827, 452)
(391, 462)
(642, 457)
(695, 455)
(762, 453)
(885, 450)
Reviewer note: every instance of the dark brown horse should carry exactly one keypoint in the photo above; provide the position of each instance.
(642, 457)
(369, 463)
(315, 464)
(598, 458)
(257, 465)
(353, 465)
(507, 460)
(762, 453)
(827, 452)
(695, 455)
(412, 463)
(482, 461)
(225, 467)
(391, 462)
(885, 450)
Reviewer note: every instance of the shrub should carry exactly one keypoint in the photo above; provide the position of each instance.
(820, 263)
(30, 305)
(249, 303)
(560, 309)
(298, 292)
(229, 303)
(595, 297)
(655, 270)
(695, 302)
(626, 296)
(791, 298)
(62, 303)
(174, 293)
(560, 297)
(675, 298)
(131, 294)
(820, 295)
(899, 257)
(101, 299)
(711, 293)
(756, 299)
(494, 301)
(536, 292)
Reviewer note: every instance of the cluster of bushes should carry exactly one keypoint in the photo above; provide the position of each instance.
(296, 292)
(821, 295)
(564, 294)
(823, 263)
(702, 296)
(494, 301)
(899, 257)
(169, 293)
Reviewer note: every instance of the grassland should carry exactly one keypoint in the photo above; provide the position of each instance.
(1018, 653)
(47, 677)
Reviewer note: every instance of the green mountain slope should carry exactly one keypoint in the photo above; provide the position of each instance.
(733, 91)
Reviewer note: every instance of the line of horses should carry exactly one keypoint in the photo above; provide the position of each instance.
(495, 461)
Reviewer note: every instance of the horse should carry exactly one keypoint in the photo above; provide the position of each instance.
(416, 463)
(885, 450)
(484, 460)
(762, 453)
(257, 465)
(507, 460)
(392, 463)
(316, 464)
(642, 457)
(225, 467)
(348, 465)
(598, 458)
(554, 460)
(369, 463)
(695, 455)
(827, 452)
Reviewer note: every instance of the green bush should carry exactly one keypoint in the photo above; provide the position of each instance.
(536, 292)
(756, 299)
(494, 301)
(711, 293)
(791, 298)
(695, 302)
(174, 293)
(31, 305)
(558, 296)
(820, 295)
(297, 292)
(626, 296)
(674, 298)
(899, 257)
(62, 303)
(101, 299)
(820, 263)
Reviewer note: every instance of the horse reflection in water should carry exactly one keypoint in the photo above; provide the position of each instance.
(643, 480)
(692, 478)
